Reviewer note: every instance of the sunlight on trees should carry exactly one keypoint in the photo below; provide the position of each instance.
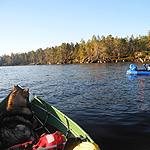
(93, 51)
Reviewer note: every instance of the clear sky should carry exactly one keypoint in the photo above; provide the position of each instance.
(27, 25)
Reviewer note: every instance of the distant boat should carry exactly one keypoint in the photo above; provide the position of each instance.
(134, 71)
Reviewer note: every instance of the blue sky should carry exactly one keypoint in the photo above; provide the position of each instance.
(31, 24)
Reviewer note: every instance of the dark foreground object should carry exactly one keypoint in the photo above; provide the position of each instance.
(48, 120)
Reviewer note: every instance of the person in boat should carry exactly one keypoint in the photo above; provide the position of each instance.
(147, 66)
(133, 67)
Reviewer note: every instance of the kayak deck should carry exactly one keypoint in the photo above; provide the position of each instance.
(52, 119)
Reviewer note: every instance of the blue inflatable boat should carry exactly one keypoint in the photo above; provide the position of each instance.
(134, 71)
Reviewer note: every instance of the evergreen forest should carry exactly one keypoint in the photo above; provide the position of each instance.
(97, 50)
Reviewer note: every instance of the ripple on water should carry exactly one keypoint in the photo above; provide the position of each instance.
(112, 107)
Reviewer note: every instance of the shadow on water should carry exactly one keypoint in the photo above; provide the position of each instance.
(120, 132)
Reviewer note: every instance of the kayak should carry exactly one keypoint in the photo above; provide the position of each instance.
(138, 72)
(51, 120)
(134, 71)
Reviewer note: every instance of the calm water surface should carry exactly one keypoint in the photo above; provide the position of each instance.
(112, 107)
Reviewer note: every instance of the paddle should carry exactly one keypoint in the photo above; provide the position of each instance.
(141, 60)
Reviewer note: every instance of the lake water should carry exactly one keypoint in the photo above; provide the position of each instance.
(112, 107)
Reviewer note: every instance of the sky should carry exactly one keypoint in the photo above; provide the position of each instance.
(27, 25)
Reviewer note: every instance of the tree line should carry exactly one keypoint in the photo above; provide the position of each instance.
(98, 49)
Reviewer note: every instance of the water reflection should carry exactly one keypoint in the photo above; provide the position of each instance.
(142, 90)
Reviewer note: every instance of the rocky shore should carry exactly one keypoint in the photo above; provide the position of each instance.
(89, 61)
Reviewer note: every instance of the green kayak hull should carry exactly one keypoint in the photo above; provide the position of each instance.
(51, 118)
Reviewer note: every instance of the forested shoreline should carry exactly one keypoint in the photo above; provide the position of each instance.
(97, 50)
